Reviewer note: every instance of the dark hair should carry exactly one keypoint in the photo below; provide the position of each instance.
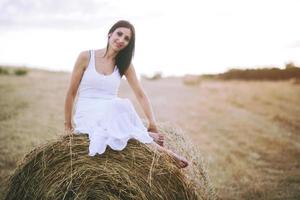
(124, 57)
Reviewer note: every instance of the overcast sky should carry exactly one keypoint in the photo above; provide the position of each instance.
(174, 37)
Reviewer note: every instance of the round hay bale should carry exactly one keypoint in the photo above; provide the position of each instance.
(62, 169)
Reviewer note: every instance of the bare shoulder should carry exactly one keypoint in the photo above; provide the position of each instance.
(130, 71)
(85, 55)
(130, 75)
(83, 60)
(133, 81)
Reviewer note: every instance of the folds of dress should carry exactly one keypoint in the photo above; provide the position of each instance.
(109, 122)
(106, 118)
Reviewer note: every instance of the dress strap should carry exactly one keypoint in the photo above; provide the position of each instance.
(90, 53)
(91, 60)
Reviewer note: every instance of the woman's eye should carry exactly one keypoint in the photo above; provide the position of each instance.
(119, 33)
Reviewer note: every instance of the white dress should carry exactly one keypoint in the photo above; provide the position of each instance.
(100, 113)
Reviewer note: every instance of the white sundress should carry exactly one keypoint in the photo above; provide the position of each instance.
(105, 117)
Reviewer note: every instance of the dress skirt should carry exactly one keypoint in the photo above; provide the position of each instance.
(108, 122)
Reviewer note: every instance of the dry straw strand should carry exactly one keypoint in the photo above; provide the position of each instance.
(62, 169)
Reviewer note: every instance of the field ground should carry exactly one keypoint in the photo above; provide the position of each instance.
(248, 132)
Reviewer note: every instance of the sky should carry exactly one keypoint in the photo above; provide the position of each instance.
(172, 37)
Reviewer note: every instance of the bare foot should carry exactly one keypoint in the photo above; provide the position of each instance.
(158, 138)
(181, 162)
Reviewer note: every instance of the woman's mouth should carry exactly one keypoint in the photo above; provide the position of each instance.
(119, 45)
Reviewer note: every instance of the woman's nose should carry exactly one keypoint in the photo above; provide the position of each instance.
(121, 39)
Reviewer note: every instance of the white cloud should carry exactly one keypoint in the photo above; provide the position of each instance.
(173, 36)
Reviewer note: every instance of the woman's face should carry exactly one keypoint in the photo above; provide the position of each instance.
(120, 38)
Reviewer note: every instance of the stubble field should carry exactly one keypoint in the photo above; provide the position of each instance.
(248, 132)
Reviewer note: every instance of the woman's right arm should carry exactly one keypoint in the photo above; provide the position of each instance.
(78, 70)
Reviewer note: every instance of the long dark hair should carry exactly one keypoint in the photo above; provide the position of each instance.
(124, 57)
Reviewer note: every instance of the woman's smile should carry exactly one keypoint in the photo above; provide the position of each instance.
(119, 45)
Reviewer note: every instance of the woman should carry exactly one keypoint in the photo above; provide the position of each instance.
(106, 118)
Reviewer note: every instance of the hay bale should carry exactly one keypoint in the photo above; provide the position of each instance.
(62, 169)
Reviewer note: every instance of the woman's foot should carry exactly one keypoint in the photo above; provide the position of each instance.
(181, 162)
(158, 138)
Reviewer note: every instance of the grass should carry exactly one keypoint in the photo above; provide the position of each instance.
(18, 71)
(247, 131)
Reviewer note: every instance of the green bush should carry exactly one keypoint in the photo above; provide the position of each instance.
(3, 71)
(20, 71)
(155, 76)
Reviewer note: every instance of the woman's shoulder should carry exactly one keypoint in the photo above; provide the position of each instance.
(83, 58)
(84, 55)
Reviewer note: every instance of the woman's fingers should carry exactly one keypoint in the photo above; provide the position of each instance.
(161, 140)
(158, 138)
(69, 130)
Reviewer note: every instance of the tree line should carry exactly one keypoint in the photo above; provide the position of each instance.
(289, 72)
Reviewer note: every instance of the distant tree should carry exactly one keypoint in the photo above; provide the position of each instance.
(155, 76)
(3, 70)
(290, 65)
(20, 71)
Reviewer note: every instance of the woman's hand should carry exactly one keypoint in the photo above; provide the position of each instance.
(155, 134)
(152, 128)
(158, 138)
(68, 128)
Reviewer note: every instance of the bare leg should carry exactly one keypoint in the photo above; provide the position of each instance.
(181, 161)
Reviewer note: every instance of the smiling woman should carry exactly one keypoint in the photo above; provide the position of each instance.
(108, 119)
(121, 39)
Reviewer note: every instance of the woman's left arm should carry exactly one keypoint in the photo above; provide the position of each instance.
(141, 96)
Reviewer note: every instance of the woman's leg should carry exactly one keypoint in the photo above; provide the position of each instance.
(181, 161)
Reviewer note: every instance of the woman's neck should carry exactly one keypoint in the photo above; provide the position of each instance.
(110, 54)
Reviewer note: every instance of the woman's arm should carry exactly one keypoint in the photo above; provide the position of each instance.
(78, 70)
(141, 96)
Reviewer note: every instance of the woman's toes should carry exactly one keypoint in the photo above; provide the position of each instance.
(183, 162)
(160, 143)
